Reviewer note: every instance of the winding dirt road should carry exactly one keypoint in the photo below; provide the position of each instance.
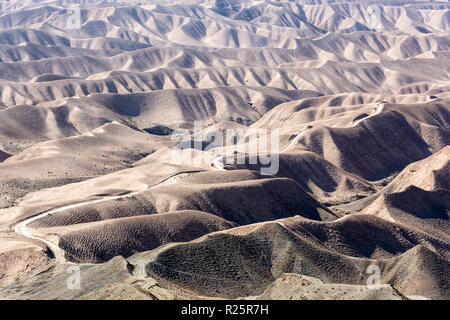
(59, 254)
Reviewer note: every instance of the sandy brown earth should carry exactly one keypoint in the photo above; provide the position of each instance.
(93, 178)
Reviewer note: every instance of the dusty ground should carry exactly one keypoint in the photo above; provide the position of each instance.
(90, 176)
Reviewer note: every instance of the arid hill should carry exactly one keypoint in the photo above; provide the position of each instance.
(113, 116)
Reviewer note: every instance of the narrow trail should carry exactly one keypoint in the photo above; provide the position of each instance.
(379, 109)
(218, 164)
(59, 254)
(294, 141)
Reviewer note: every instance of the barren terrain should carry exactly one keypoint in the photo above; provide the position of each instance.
(94, 95)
